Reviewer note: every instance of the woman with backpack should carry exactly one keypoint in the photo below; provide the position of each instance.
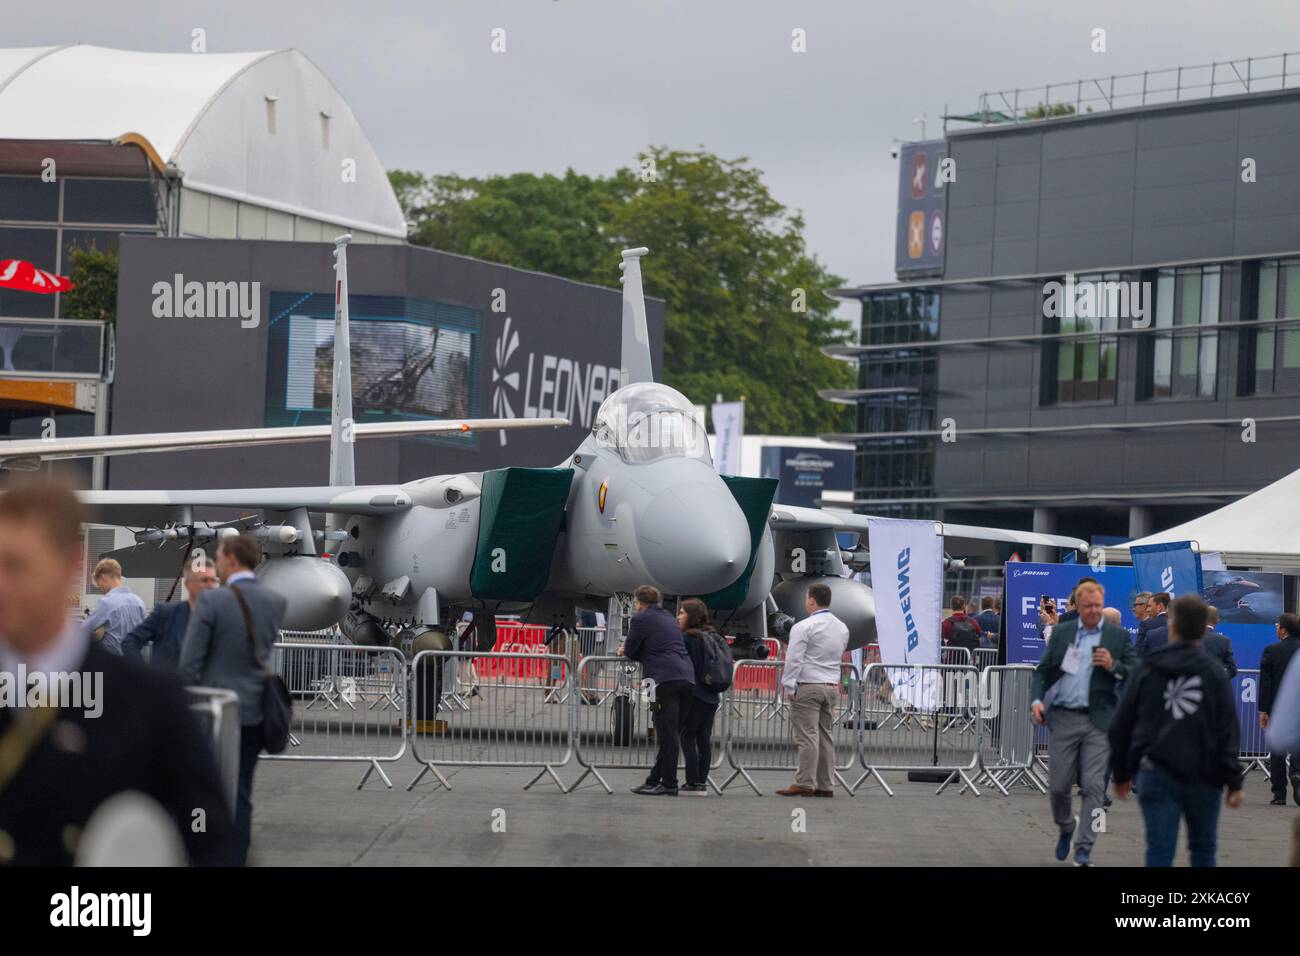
(710, 656)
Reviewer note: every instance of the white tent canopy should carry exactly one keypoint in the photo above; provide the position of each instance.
(1259, 530)
(265, 128)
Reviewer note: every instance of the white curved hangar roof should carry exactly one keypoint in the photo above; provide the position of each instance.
(210, 115)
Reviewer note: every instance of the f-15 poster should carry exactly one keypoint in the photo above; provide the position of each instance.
(1026, 585)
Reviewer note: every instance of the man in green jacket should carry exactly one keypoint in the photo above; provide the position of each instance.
(1075, 692)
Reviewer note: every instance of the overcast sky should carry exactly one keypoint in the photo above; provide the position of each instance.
(587, 83)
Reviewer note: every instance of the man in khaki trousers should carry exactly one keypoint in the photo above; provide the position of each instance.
(811, 680)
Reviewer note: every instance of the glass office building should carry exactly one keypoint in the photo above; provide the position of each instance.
(1095, 327)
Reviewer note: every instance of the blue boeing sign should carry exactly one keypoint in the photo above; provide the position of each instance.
(1173, 568)
(905, 598)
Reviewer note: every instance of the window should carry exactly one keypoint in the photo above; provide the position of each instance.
(904, 382)
(125, 201)
(29, 199)
(1271, 355)
(1083, 367)
(1180, 358)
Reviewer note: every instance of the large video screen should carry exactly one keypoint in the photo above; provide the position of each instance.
(411, 359)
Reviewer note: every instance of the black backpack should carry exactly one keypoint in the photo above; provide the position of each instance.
(963, 633)
(716, 674)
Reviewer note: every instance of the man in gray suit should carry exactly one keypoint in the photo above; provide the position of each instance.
(218, 651)
(1075, 691)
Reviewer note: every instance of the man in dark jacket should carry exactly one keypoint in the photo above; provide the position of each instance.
(1218, 646)
(219, 651)
(164, 628)
(1157, 620)
(655, 642)
(108, 728)
(990, 622)
(1176, 731)
(1272, 665)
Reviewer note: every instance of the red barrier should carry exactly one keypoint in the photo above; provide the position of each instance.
(760, 678)
(515, 639)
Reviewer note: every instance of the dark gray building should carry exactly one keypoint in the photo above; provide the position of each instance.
(434, 335)
(981, 399)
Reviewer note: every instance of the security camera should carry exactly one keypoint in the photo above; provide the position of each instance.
(893, 152)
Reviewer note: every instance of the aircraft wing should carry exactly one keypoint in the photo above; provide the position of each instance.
(26, 454)
(154, 508)
(793, 518)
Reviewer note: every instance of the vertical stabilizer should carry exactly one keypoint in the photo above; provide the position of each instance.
(636, 337)
(343, 471)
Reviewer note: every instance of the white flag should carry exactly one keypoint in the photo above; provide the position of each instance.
(907, 578)
(728, 427)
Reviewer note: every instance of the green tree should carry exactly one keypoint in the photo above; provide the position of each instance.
(546, 223)
(94, 272)
(733, 267)
(747, 312)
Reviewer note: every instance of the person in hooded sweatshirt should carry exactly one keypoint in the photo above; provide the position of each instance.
(1176, 731)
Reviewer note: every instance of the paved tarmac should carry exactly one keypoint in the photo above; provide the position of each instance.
(311, 814)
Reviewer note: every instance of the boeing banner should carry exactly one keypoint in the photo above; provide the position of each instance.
(907, 577)
(1174, 568)
(1028, 584)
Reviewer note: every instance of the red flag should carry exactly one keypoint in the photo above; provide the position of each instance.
(16, 274)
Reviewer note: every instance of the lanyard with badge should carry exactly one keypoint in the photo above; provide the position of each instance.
(1073, 659)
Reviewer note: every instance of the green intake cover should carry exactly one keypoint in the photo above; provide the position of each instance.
(520, 514)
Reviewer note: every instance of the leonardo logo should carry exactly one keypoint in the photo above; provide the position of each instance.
(1183, 696)
(506, 345)
(554, 386)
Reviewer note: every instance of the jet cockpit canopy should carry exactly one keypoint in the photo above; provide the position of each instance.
(647, 422)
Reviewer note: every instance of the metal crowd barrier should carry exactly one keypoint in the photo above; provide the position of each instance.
(217, 711)
(947, 655)
(519, 718)
(538, 710)
(1252, 749)
(1006, 734)
(591, 642)
(612, 728)
(349, 704)
(920, 717)
(955, 656)
(328, 635)
(758, 731)
(985, 657)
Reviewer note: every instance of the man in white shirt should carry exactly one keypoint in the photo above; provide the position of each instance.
(119, 611)
(811, 679)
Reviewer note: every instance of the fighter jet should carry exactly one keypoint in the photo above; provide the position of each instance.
(638, 502)
(1230, 592)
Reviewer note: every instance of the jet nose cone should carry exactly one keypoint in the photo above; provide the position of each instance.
(694, 538)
